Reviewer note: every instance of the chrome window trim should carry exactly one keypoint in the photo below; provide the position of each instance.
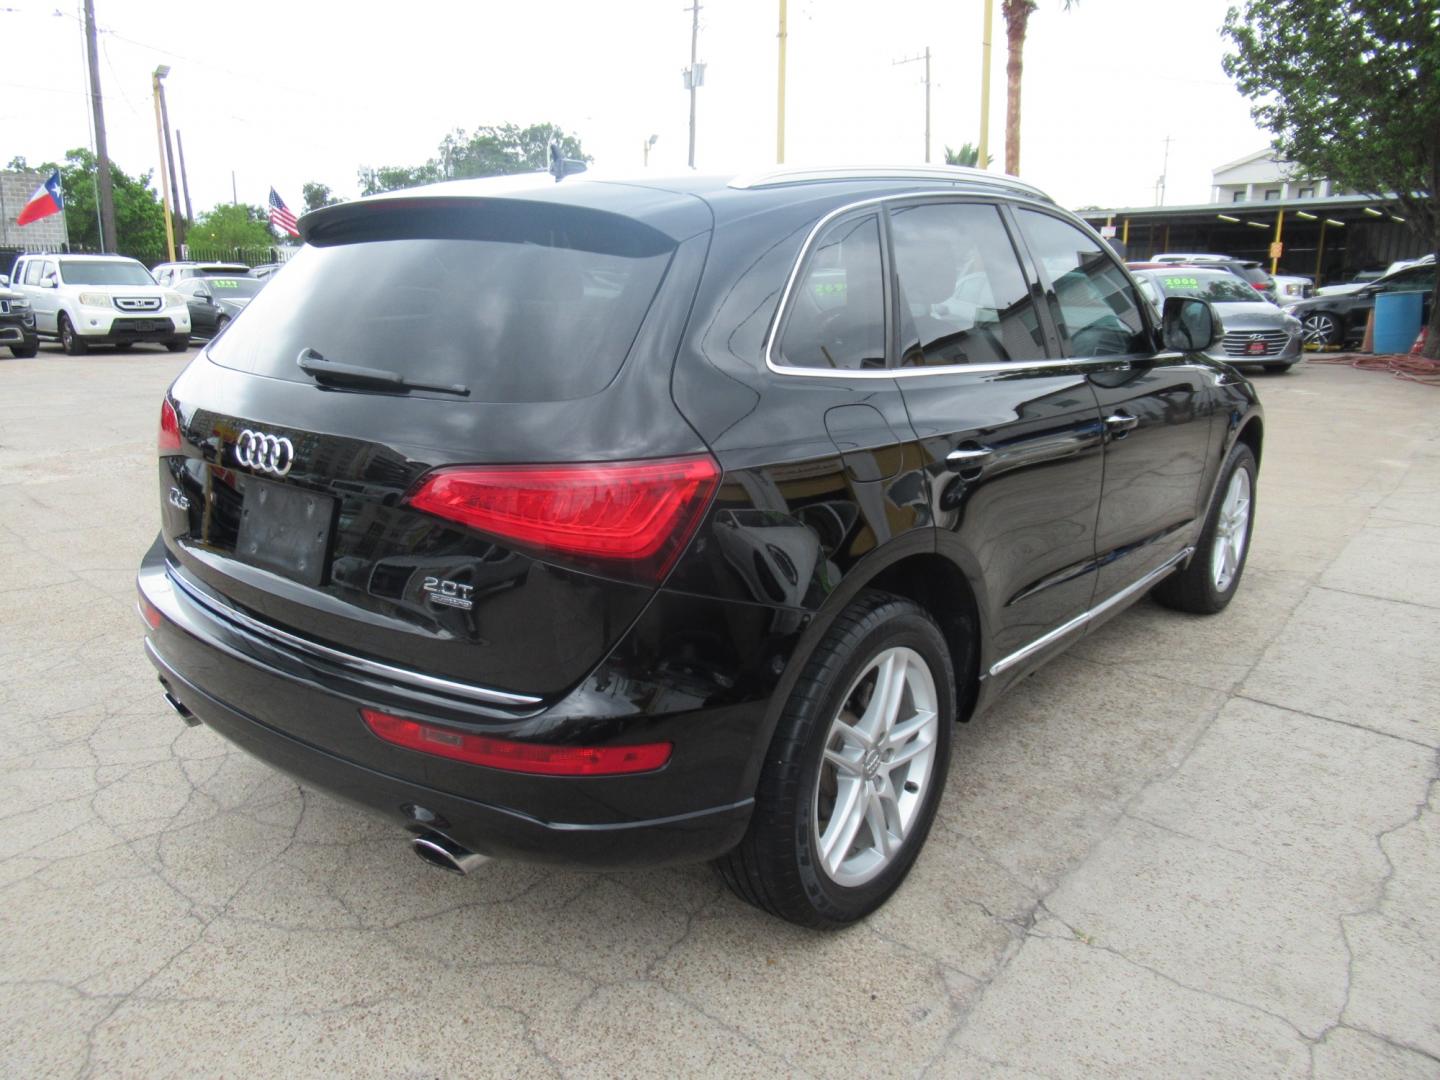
(1007, 662)
(403, 676)
(782, 309)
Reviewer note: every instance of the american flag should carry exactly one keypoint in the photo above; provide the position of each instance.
(280, 215)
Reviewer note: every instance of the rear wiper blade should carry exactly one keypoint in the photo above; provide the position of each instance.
(332, 371)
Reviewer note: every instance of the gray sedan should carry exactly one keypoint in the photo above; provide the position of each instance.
(214, 301)
(1255, 330)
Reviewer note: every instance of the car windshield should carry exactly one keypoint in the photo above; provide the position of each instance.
(1217, 288)
(96, 272)
(231, 288)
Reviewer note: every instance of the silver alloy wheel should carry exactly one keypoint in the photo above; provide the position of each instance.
(879, 760)
(1232, 530)
(1319, 329)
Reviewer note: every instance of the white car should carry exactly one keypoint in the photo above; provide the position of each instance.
(86, 300)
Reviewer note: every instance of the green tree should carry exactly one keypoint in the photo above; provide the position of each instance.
(139, 217)
(968, 155)
(227, 227)
(490, 151)
(1351, 91)
(316, 195)
(1017, 24)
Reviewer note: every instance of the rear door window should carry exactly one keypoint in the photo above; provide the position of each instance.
(517, 301)
(837, 312)
(1095, 306)
(963, 297)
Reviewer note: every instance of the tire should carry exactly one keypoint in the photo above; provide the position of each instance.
(1201, 588)
(220, 325)
(781, 866)
(1321, 328)
(70, 341)
(24, 352)
(177, 344)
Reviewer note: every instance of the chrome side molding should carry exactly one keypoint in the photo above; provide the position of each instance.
(1006, 663)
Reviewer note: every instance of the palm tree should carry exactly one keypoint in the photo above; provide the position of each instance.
(1017, 21)
(968, 154)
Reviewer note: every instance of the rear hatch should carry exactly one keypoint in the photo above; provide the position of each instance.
(522, 346)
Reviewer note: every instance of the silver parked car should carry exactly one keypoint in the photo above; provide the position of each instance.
(1255, 330)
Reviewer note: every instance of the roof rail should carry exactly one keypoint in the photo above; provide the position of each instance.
(953, 173)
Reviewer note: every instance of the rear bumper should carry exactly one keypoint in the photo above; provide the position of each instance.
(305, 721)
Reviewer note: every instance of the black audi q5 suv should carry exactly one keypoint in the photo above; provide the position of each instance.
(635, 523)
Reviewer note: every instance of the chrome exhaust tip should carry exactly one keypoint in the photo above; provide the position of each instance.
(437, 849)
(180, 710)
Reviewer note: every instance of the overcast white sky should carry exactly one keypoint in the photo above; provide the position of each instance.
(288, 92)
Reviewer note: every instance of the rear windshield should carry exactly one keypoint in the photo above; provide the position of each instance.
(1256, 275)
(1217, 288)
(517, 301)
(95, 272)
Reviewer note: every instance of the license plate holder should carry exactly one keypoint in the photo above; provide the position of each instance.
(285, 529)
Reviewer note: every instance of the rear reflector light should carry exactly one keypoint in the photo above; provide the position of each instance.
(169, 428)
(1259, 285)
(635, 517)
(149, 612)
(548, 760)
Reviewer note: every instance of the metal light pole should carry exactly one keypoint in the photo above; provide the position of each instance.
(170, 163)
(780, 107)
(648, 144)
(155, 77)
(982, 161)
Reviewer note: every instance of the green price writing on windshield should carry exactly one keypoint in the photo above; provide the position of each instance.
(224, 283)
(1182, 283)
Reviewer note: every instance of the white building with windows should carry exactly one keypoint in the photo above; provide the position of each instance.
(1262, 177)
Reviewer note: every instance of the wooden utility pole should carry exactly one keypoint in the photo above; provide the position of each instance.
(926, 80)
(105, 196)
(780, 108)
(184, 179)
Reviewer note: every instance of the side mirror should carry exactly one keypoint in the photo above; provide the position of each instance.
(4, 280)
(205, 296)
(1189, 324)
(50, 281)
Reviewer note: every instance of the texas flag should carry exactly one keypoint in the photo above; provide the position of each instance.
(47, 200)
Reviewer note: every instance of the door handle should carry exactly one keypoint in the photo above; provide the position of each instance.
(964, 458)
(1121, 422)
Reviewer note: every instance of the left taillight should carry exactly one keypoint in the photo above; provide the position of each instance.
(628, 518)
(169, 428)
(539, 758)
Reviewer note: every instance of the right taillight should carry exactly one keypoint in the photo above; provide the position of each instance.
(169, 428)
(632, 518)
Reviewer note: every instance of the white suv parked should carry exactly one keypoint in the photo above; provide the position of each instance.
(86, 300)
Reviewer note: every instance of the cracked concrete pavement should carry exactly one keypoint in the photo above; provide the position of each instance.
(1188, 847)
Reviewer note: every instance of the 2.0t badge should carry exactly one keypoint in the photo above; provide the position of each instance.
(267, 453)
(449, 593)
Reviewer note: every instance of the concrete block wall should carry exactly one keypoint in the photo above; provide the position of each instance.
(15, 191)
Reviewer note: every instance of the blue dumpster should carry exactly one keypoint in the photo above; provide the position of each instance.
(1397, 320)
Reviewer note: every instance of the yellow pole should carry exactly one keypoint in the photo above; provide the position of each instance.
(981, 162)
(164, 178)
(780, 107)
(1125, 235)
(1279, 225)
(1320, 251)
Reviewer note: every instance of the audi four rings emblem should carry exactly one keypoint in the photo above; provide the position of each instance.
(268, 453)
